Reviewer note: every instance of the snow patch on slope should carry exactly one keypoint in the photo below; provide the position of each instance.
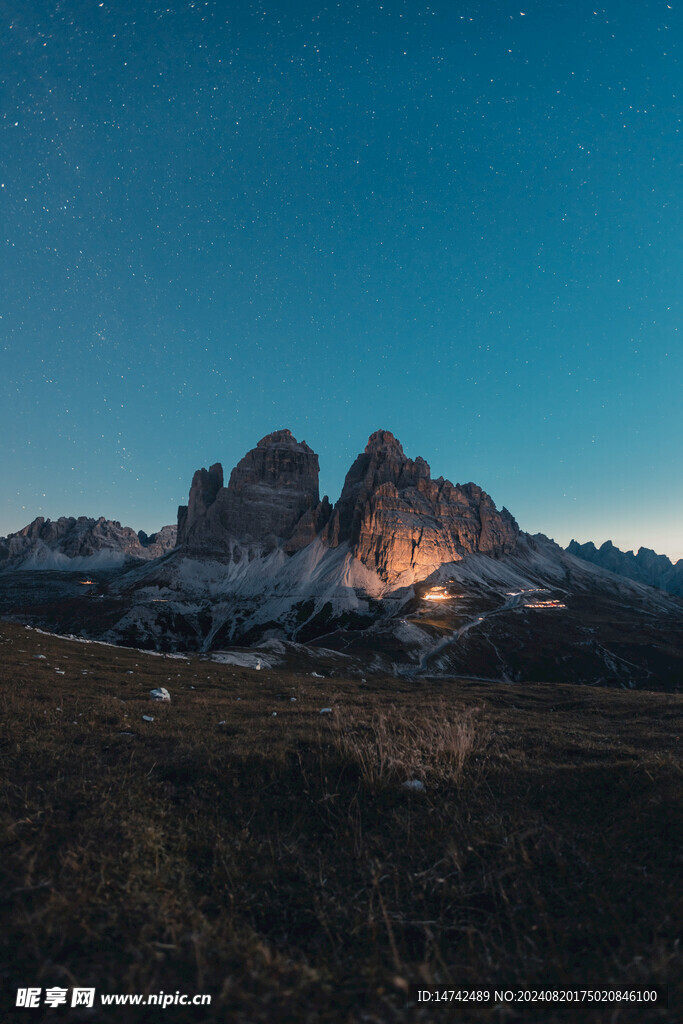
(244, 659)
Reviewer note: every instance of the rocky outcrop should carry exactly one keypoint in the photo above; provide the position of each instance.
(400, 522)
(645, 567)
(272, 499)
(160, 543)
(206, 483)
(45, 543)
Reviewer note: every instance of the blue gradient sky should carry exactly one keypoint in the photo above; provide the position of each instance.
(456, 221)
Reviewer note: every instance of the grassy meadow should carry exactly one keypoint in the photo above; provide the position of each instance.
(245, 845)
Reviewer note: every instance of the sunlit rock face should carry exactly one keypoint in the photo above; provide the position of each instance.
(271, 499)
(401, 523)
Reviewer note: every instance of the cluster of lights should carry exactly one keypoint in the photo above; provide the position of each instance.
(437, 594)
(545, 604)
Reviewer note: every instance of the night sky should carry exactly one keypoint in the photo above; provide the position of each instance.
(459, 222)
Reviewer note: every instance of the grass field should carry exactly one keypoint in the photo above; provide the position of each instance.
(244, 845)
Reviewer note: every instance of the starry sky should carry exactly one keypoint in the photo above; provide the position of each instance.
(456, 221)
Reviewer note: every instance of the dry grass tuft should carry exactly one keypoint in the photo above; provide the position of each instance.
(395, 747)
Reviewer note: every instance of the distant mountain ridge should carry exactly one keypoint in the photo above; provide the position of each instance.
(69, 543)
(646, 566)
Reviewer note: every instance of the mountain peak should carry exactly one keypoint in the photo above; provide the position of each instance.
(383, 440)
(283, 439)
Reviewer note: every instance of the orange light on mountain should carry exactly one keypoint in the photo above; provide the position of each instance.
(437, 594)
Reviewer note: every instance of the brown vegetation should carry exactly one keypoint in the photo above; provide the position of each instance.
(278, 863)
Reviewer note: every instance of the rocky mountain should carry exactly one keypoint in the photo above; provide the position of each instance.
(406, 575)
(271, 500)
(403, 525)
(646, 567)
(396, 520)
(75, 544)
